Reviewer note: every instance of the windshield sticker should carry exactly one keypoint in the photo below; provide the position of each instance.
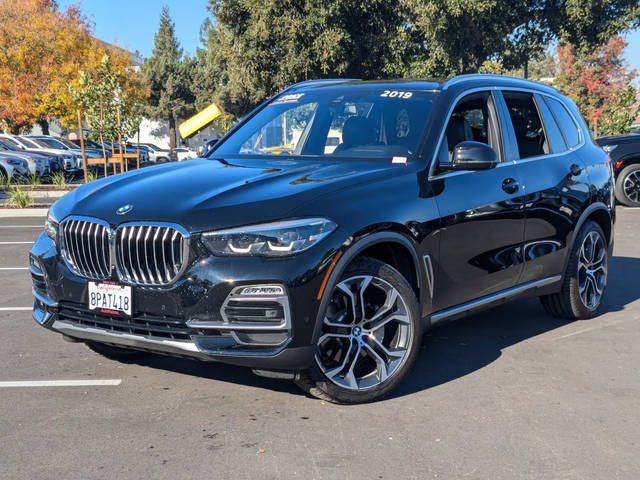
(402, 124)
(396, 94)
(291, 98)
(401, 160)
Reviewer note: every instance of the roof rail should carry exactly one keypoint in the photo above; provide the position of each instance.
(470, 76)
(321, 81)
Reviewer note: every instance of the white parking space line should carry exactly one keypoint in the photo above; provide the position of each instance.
(61, 383)
(14, 268)
(15, 309)
(15, 243)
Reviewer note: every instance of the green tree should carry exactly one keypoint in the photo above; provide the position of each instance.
(257, 47)
(168, 77)
(454, 36)
(101, 94)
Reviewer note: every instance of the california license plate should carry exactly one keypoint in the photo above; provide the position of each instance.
(110, 298)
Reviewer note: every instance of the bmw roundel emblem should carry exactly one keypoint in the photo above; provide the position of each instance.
(124, 209)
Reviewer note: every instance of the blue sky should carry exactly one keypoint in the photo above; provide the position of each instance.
(132, 24)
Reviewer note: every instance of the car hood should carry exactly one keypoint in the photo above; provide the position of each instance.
(208, 194)
(19, 155)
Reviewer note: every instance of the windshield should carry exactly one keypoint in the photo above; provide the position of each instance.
(67, 143)
(12, 142)
(353, 122)
(50, 142)
(32, 143)
(151, 146)
(7, 146)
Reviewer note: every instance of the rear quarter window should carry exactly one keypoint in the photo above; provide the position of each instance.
(565, 121)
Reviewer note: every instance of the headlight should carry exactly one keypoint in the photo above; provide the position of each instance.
(51, 227)
(275, 239)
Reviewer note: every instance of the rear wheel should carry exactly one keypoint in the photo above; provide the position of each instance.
(628, 186)
(585, 279)
(116, 353)
(370, 335)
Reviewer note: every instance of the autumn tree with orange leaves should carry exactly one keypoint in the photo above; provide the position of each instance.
(42, 49)
(601, 85)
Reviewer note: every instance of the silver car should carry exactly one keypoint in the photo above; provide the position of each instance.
(14, 168)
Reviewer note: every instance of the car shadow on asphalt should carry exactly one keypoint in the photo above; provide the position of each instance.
(448, 352)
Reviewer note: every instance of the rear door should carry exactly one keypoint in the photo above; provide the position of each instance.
(554, 178)
(482, 213)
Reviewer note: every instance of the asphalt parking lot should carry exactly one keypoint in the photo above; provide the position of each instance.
(508, 393)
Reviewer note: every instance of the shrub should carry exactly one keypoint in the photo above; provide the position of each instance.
(33, 181)
(19, 197)
(59, 179)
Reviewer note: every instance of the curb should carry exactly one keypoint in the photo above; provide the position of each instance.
(23, 212)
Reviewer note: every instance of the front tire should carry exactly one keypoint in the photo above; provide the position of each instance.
(370, 335)
(116, 353)
(627, 187)
(585, 279)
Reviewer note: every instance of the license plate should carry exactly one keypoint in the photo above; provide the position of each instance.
(110, 298)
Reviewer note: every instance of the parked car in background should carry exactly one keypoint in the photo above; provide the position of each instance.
(624, 151)
(71, 161)
(36, 164)
(635, 129)
(326, 268)
(185, 154)
(48, 160)
(157, 154)
(55, 161)
(130, 148)
(13, 168)
(63, 144)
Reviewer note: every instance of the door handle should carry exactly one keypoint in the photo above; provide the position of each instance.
(575, 170)
(510, 185)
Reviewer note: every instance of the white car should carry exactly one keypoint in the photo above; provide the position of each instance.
(185, 154)
(12, 167)
(71, 161)
(157, 154)
(35, 164)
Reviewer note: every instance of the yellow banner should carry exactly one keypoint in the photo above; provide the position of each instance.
(199, 120)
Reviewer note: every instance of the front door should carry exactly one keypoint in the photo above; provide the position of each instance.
(482, 212)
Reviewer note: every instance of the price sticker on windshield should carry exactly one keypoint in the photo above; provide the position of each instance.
(396, 94)
(290, 98)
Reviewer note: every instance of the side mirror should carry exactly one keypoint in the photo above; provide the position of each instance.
(470, 155)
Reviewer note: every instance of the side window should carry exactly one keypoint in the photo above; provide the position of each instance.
(530, 135)
(473, 118)
(555, 138)
(567, 124)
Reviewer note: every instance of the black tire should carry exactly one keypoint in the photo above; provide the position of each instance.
(568, 303)
(116, 353)
(315, 382)
(631, 175)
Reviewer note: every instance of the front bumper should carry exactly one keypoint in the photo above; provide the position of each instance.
(187, 319)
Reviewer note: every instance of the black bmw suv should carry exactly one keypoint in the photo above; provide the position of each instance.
(333, 226)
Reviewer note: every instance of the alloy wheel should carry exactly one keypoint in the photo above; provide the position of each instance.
(592, 270)
(631, 186)
(366, 333)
